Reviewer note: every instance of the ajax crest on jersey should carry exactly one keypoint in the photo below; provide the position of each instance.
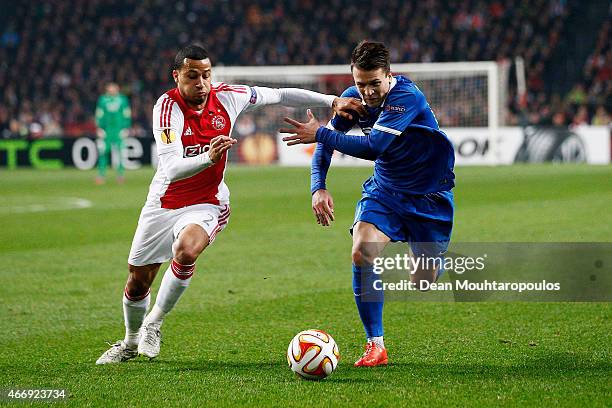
(313, 354)
(218, 122)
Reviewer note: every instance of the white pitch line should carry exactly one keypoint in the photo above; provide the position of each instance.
(52, 204)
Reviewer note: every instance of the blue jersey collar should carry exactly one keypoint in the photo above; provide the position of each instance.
(393, 83)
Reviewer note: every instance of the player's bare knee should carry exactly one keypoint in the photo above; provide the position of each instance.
(357, 256)
(190, 244)
(136, 286)
(140, 279)
(187, 254)
(362, 257)
(136, 289)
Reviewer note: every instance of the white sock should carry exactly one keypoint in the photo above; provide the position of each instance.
(133, 314)
(175, 281)
(156, 315)
(378, 340)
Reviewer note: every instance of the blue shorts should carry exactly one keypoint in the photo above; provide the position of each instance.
(424, 221)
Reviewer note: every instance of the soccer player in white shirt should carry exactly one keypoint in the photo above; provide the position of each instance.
(188, 201)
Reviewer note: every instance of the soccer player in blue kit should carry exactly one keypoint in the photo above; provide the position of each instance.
(407, 199)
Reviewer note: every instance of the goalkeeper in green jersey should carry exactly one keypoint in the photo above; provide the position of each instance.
(113, 119)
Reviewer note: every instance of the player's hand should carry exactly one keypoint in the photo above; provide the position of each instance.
(303, 132)
(218, 146)
(100, 133)
(323, 207)
(346, 107)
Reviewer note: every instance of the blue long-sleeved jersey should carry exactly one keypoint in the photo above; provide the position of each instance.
(411, 154)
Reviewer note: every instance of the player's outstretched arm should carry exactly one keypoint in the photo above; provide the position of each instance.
(301, 133)
(366, 147)
(301, 98)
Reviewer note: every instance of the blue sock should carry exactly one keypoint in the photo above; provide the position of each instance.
(369, 301)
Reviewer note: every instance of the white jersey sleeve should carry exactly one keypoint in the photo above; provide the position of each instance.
(168, 123)
(242, 98)
(292, 97)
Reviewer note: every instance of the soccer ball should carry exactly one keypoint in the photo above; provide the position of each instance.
(313, 354)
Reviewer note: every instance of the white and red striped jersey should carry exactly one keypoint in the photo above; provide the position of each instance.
(183, 135)
(178, 129)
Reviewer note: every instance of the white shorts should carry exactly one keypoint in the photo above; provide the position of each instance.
(159, 227)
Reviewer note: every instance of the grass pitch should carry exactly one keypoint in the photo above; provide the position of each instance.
(273, 272)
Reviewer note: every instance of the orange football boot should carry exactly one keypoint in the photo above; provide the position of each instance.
(373, 356)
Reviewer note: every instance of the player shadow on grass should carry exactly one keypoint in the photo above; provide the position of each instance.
(209, 365)
(546, 366)
(271, 367)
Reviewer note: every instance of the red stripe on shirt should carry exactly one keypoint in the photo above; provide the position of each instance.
(169, 114)
(230, 88)
(162, 111)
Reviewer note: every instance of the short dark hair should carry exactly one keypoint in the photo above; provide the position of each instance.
(191, 51)
(371, 55)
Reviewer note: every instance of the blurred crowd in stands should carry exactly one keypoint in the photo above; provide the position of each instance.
(590, 100)
(56, 56)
